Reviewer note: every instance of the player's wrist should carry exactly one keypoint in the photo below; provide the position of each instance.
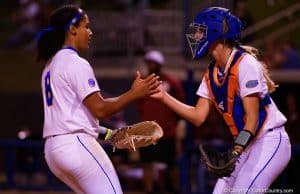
(165, 97)
(133, 94)
(106, 136)
(243, 139)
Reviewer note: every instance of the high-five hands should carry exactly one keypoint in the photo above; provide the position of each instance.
(145, 87)
(160, 94)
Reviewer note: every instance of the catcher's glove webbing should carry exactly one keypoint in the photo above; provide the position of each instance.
(219, 164)
(135, 136)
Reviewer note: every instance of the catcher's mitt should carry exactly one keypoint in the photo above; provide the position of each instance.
(138, 135)
(219, 164)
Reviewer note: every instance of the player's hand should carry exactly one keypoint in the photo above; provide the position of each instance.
(145, 87)
(160, 94)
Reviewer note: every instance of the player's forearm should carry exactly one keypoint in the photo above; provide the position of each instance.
(242, 141)
(251, 122)
(185, 111)
(110, 106)
(251, 106)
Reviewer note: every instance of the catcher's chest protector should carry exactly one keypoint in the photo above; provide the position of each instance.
(225, 95)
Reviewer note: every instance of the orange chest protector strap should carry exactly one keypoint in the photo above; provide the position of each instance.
(232, 88)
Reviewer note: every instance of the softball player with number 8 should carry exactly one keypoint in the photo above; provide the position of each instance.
(73, 105)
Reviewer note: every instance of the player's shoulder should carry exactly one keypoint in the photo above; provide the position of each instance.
(249, 62)
(71, 59)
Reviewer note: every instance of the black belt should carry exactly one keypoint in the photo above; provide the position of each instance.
(272, 129)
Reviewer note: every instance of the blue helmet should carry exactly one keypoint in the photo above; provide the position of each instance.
(211, 23)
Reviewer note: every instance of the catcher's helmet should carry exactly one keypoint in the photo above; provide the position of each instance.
(214, 23)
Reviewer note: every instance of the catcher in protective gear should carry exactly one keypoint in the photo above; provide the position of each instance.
(219, 164)
(141, 134)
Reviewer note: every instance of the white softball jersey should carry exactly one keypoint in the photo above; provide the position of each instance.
(66, 81)
(71, 148)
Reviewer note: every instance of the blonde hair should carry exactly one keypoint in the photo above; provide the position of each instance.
(255, 53)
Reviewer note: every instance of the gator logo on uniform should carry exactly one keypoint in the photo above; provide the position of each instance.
(251, 83)
(221, 106)
(91, 82)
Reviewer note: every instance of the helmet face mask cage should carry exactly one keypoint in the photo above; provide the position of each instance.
(197, 34)
(210, 25)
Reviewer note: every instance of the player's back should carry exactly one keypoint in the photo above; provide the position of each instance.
(63, 108)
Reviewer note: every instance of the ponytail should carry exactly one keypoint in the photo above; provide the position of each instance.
(255, 53)
(252, 51)
(51, 39)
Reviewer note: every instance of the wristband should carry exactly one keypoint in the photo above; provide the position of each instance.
(108, 134)
(105, 134)
(244, 138)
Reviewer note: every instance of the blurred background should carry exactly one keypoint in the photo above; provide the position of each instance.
(124, 30)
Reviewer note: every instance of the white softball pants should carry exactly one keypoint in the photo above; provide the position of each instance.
(80, 162)
(259, 165)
